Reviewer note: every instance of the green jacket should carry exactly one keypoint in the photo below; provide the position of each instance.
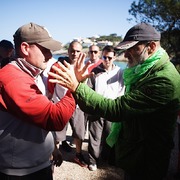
(148, 114)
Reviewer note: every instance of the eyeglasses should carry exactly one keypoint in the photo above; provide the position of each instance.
(95, 52)
(107, 57)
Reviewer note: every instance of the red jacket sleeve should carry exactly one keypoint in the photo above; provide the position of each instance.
(22, 98)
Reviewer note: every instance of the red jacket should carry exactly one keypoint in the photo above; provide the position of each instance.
(20, 96)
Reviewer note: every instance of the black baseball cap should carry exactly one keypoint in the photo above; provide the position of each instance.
(139, 32)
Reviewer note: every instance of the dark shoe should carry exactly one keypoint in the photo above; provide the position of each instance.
(79, 159)
(66, 147)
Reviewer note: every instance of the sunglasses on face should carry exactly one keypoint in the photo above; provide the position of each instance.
(107, 57)
(95, 52)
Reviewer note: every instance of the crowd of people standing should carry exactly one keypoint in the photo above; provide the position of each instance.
(130, 114)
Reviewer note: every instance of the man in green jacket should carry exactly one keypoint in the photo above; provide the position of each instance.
(148, 109)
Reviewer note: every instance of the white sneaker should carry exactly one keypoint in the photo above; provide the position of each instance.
(92, 167)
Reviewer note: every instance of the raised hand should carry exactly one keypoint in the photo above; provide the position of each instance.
(70, 76)
(81, 69)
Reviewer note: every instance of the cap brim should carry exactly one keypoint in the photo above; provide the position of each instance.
(51, 45)
(126, 44)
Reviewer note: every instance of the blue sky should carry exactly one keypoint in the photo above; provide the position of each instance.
(67, 19)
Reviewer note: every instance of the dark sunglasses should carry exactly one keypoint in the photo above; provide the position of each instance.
(95, 52)
(107, 57)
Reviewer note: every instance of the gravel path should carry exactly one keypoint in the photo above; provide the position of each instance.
(71, 171)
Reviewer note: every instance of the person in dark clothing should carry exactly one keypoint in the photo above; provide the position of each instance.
(6, 52)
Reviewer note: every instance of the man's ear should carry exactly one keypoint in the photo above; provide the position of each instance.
(25, 48)
(152, 46)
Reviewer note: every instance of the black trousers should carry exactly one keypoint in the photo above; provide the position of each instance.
(44, 174)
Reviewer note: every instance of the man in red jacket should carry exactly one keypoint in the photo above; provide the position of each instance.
(27, 116)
